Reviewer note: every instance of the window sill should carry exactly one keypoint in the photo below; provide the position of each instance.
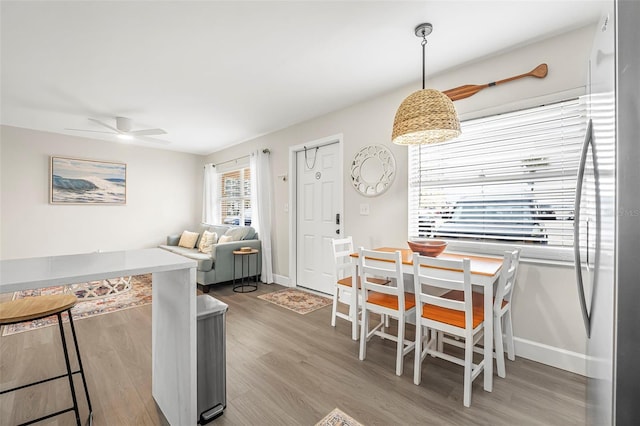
(540, 255)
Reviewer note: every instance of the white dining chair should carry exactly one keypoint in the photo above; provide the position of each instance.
(502, 309)
(502, 302)
(438, 314)
(389, 301)
(343, 287)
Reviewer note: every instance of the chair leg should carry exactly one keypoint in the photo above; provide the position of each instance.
(499, 347)
(353, 314)
(468, 365)
(511, 351)
(334, 309)
(80, 366)
(417, 361)
(364, 330)
(440, 340)
(400, 346)
(69, 372)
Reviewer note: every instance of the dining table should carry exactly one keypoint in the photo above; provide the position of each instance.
(485, 271)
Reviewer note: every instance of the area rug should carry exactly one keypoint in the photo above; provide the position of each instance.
(139, 295)
(296, 300)
(338, 418)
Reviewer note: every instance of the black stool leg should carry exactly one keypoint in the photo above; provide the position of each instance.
(69, 373)
(81, 368)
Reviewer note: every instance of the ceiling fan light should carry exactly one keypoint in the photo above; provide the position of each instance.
(425, 116)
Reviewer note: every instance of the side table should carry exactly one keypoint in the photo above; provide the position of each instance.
(245, 285)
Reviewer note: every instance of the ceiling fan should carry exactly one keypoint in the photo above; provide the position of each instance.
(123, 129)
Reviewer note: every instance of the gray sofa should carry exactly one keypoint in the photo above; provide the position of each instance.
(218, 266)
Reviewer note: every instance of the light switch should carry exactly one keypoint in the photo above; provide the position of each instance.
(364, 209)
(286, 207)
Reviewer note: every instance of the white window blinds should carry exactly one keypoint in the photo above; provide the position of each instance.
(507, 178)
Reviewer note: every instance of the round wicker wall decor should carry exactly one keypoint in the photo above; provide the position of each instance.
(373, 170)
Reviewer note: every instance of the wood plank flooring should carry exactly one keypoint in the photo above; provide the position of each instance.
(282, 369)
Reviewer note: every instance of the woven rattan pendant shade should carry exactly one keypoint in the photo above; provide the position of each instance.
(426, 116)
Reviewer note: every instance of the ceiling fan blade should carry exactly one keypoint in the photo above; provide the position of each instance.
(154, 140)
(147, 132)
(105, 125)
(93, 131)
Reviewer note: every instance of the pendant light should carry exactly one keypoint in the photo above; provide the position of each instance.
(428, 115)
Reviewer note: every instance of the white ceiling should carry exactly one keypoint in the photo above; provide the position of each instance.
(214, 74)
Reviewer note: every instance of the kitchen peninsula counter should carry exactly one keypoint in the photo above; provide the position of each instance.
(173, 311)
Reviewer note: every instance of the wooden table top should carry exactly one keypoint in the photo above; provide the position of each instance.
(480, 265)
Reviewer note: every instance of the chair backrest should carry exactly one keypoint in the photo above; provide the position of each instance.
(507, 279)
(427, 272)
(342, 249)
(377, 264)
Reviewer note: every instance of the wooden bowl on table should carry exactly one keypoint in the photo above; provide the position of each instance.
(431, 248)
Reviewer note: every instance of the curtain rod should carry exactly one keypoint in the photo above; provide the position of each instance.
(265, 151)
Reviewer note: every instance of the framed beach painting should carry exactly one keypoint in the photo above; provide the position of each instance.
(78, 181)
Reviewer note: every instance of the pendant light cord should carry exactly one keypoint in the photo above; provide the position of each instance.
(424, 43)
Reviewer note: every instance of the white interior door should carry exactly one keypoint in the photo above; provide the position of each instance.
(318, 198)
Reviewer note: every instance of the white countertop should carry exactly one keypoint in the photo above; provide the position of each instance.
(38, 272)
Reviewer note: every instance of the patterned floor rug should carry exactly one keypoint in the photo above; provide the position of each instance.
(139, 295)
(296, 300)
(338, 418)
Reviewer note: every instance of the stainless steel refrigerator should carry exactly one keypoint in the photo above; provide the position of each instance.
(607, 220)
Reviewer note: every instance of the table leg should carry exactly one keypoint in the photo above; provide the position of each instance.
(256, 277)
(354, 303)
(488, 338)
(234, 272)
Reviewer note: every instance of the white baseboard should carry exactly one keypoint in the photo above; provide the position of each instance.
(282, 280)
(574, 362)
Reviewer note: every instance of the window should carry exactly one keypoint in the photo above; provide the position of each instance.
(509, 178)
(235, 196)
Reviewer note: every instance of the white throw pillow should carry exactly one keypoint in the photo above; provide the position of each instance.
(188, 239)
(207, 241)
(225, 239)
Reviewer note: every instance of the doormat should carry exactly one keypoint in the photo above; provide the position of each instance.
(296, 300)
(139, 295)
(338, 418)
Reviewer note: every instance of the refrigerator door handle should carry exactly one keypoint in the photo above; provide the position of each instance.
(588, 139)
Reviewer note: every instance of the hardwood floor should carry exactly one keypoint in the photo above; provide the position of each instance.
(282, 369)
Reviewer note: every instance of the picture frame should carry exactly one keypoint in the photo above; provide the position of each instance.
(84, 181)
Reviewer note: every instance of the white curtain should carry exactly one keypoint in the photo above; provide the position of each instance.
(261, 205)
(210, 213)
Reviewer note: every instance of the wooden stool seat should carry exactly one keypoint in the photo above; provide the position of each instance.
(31, 308)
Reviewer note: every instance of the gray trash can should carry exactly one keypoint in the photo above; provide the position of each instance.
(212, 375)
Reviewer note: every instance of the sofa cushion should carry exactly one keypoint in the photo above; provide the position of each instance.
(218, 229)
(205, 261)
(225, 239)
(251, 235)
(207, 240)
(188, 239)
(239, 233)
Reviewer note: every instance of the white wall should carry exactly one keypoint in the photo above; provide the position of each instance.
(164, 195)
(545, 308)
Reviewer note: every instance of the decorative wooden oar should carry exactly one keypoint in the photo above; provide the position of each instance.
(471, 89)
